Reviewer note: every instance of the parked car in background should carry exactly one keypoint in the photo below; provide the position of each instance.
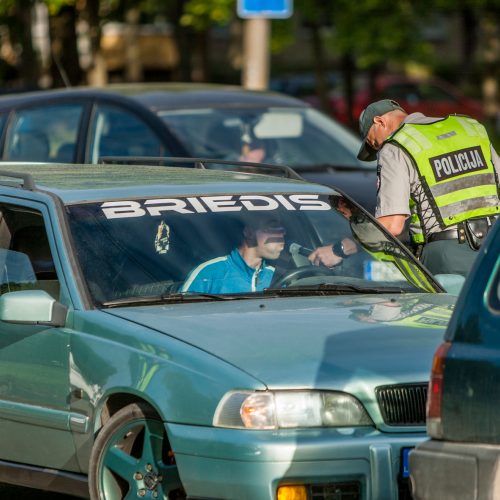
(303, 85)
(213, 121)
(461, 459)
(119, 379)
(430, 96)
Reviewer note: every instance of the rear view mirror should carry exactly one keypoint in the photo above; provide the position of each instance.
(279, 126)
(32, 307)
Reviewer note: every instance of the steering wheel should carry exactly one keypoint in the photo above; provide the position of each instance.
(300, 272)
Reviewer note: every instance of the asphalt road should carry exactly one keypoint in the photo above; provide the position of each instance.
(8, 492)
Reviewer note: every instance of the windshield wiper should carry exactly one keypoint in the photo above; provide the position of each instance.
(332, 289)
(171, 298)
(332, 166)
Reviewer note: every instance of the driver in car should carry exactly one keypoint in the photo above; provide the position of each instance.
(253, 151)
(246, 268)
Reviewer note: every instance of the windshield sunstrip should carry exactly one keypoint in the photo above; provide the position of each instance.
(219, 203)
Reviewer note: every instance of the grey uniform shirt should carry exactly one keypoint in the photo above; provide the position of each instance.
(398, 180)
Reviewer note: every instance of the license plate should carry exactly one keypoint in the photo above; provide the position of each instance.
(405, 462)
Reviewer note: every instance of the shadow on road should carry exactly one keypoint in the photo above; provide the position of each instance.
(8, 492)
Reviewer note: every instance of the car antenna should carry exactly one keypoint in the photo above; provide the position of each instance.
(62, 71)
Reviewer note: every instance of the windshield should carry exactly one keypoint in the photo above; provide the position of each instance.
(298, 137)
(235, 246)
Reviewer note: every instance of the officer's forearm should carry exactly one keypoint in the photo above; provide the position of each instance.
(393, 223)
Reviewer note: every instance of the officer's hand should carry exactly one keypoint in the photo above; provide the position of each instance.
(325, 256)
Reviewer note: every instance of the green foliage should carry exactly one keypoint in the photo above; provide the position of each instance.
(6, 7)
(454, 5)
(201, 14)
(282, 34)
(376, 30)
(54, 6)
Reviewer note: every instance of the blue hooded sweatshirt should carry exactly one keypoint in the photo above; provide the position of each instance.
(228, 274)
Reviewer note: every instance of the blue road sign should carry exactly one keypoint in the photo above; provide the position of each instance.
(271, 9)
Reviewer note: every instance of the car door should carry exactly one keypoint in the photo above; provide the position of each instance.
(118, 131)
(34, 359)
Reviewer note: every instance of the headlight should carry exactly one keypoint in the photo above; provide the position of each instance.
(289, 409)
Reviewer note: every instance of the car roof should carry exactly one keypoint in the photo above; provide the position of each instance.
(171, 96)
(95, 182)
(157, 96)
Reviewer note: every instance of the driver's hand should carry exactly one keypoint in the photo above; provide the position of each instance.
(350, 246)
(325, 256)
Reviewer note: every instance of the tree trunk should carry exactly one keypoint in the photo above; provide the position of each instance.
(469, 43)
(318, 57)
(183, 37)
(29, 63)
(491, 56)
(201, 63)
(348, 77)
(97, 73)
(133, 68)
(65, 68)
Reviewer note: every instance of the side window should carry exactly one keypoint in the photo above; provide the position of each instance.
(45, 133)
(118, 132)
(25, 256)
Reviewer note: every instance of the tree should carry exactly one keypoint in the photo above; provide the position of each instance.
(316, 14)
(480, 45)
(369, 33)
(65, 69)
(19, 15)
(201, 16)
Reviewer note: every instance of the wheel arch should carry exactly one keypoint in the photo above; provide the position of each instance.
(114, 402)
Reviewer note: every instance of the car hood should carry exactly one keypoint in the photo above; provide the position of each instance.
(302, 342)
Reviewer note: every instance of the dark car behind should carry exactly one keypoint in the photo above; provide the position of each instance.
(211, 121)
(461, 460)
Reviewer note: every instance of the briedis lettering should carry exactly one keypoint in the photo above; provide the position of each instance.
(219, 203)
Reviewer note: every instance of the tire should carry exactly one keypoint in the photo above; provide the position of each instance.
(131, 458)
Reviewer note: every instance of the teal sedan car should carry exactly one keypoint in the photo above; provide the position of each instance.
(166, 333)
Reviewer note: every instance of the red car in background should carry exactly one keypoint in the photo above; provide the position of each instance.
(431, 96)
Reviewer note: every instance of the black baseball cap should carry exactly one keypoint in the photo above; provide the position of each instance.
(264, 221)
(378, 108)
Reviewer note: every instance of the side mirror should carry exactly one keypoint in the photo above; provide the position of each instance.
(32, 307)
(452, 283)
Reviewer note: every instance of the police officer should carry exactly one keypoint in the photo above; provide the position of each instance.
(442, 173)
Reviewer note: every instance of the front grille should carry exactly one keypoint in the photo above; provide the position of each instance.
(402, 404)
(336, 491)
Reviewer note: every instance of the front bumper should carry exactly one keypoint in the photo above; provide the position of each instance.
(455, 471)
(216, 463)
